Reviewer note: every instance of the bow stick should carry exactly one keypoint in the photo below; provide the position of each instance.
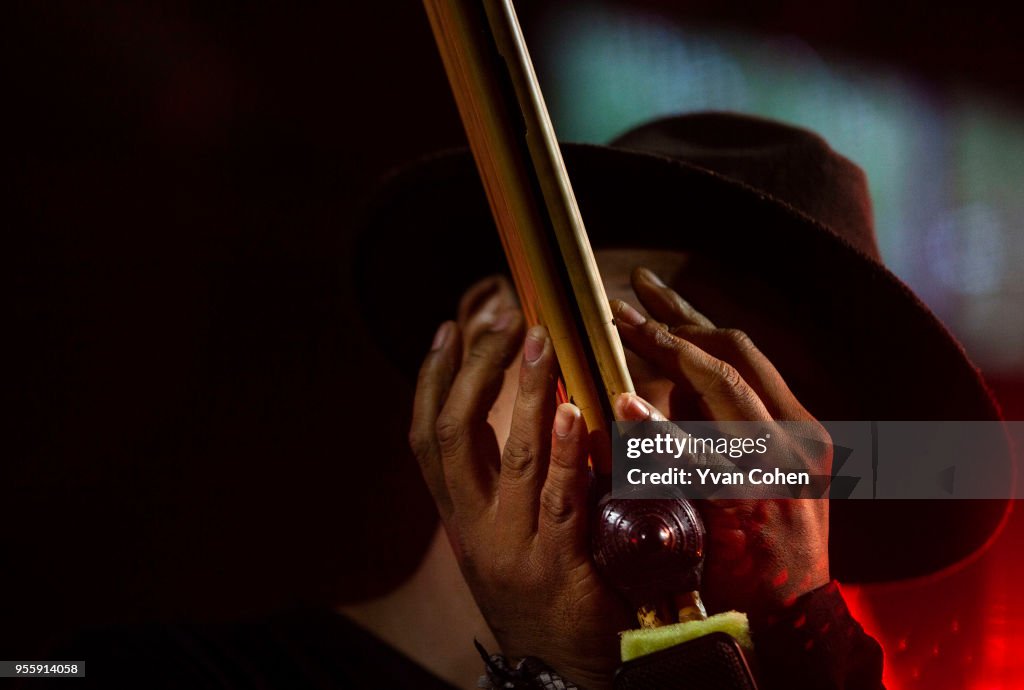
(531, 198)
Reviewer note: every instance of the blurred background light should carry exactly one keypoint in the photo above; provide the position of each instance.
(944, 164)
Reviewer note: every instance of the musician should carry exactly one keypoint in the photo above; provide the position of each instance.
(747, 284)
(768, 300)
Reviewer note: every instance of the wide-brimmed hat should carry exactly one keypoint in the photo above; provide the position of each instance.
(768, 198)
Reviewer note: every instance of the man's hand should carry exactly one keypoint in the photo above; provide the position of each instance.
(517, 517)
(762, 554)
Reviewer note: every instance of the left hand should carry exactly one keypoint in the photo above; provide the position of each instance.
(517, 518)
(762, 554)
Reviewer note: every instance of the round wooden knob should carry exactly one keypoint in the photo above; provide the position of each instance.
(649, 547)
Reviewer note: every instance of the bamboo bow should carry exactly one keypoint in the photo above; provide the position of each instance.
(531, 198)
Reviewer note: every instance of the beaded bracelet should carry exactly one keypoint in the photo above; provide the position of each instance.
(529, 674)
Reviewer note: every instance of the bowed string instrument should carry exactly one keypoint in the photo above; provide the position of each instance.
(650, 550)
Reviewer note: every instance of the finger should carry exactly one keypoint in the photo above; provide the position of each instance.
(736, 348)
(481, 307)
(434, 383)
(663, 303)
(729, 345)
(630, 407)
(562, 523)
(475, 297)
(469, 449)
(529, 442)
(720, 386)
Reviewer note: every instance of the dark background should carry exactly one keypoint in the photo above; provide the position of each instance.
(189, 375)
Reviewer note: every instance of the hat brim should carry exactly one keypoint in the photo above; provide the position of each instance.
(429, 235)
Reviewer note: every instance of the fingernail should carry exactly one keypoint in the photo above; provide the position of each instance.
(534, 346)
(565, 419)
(441, 337)
(503, 320)
(630, 316)
(635, 410)
(653, 277)
(488, 308)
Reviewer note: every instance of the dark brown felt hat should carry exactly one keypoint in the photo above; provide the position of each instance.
(767, 197)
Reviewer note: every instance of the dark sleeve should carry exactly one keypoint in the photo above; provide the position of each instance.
(817, 644)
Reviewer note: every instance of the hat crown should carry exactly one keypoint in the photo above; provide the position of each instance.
(794, 166)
